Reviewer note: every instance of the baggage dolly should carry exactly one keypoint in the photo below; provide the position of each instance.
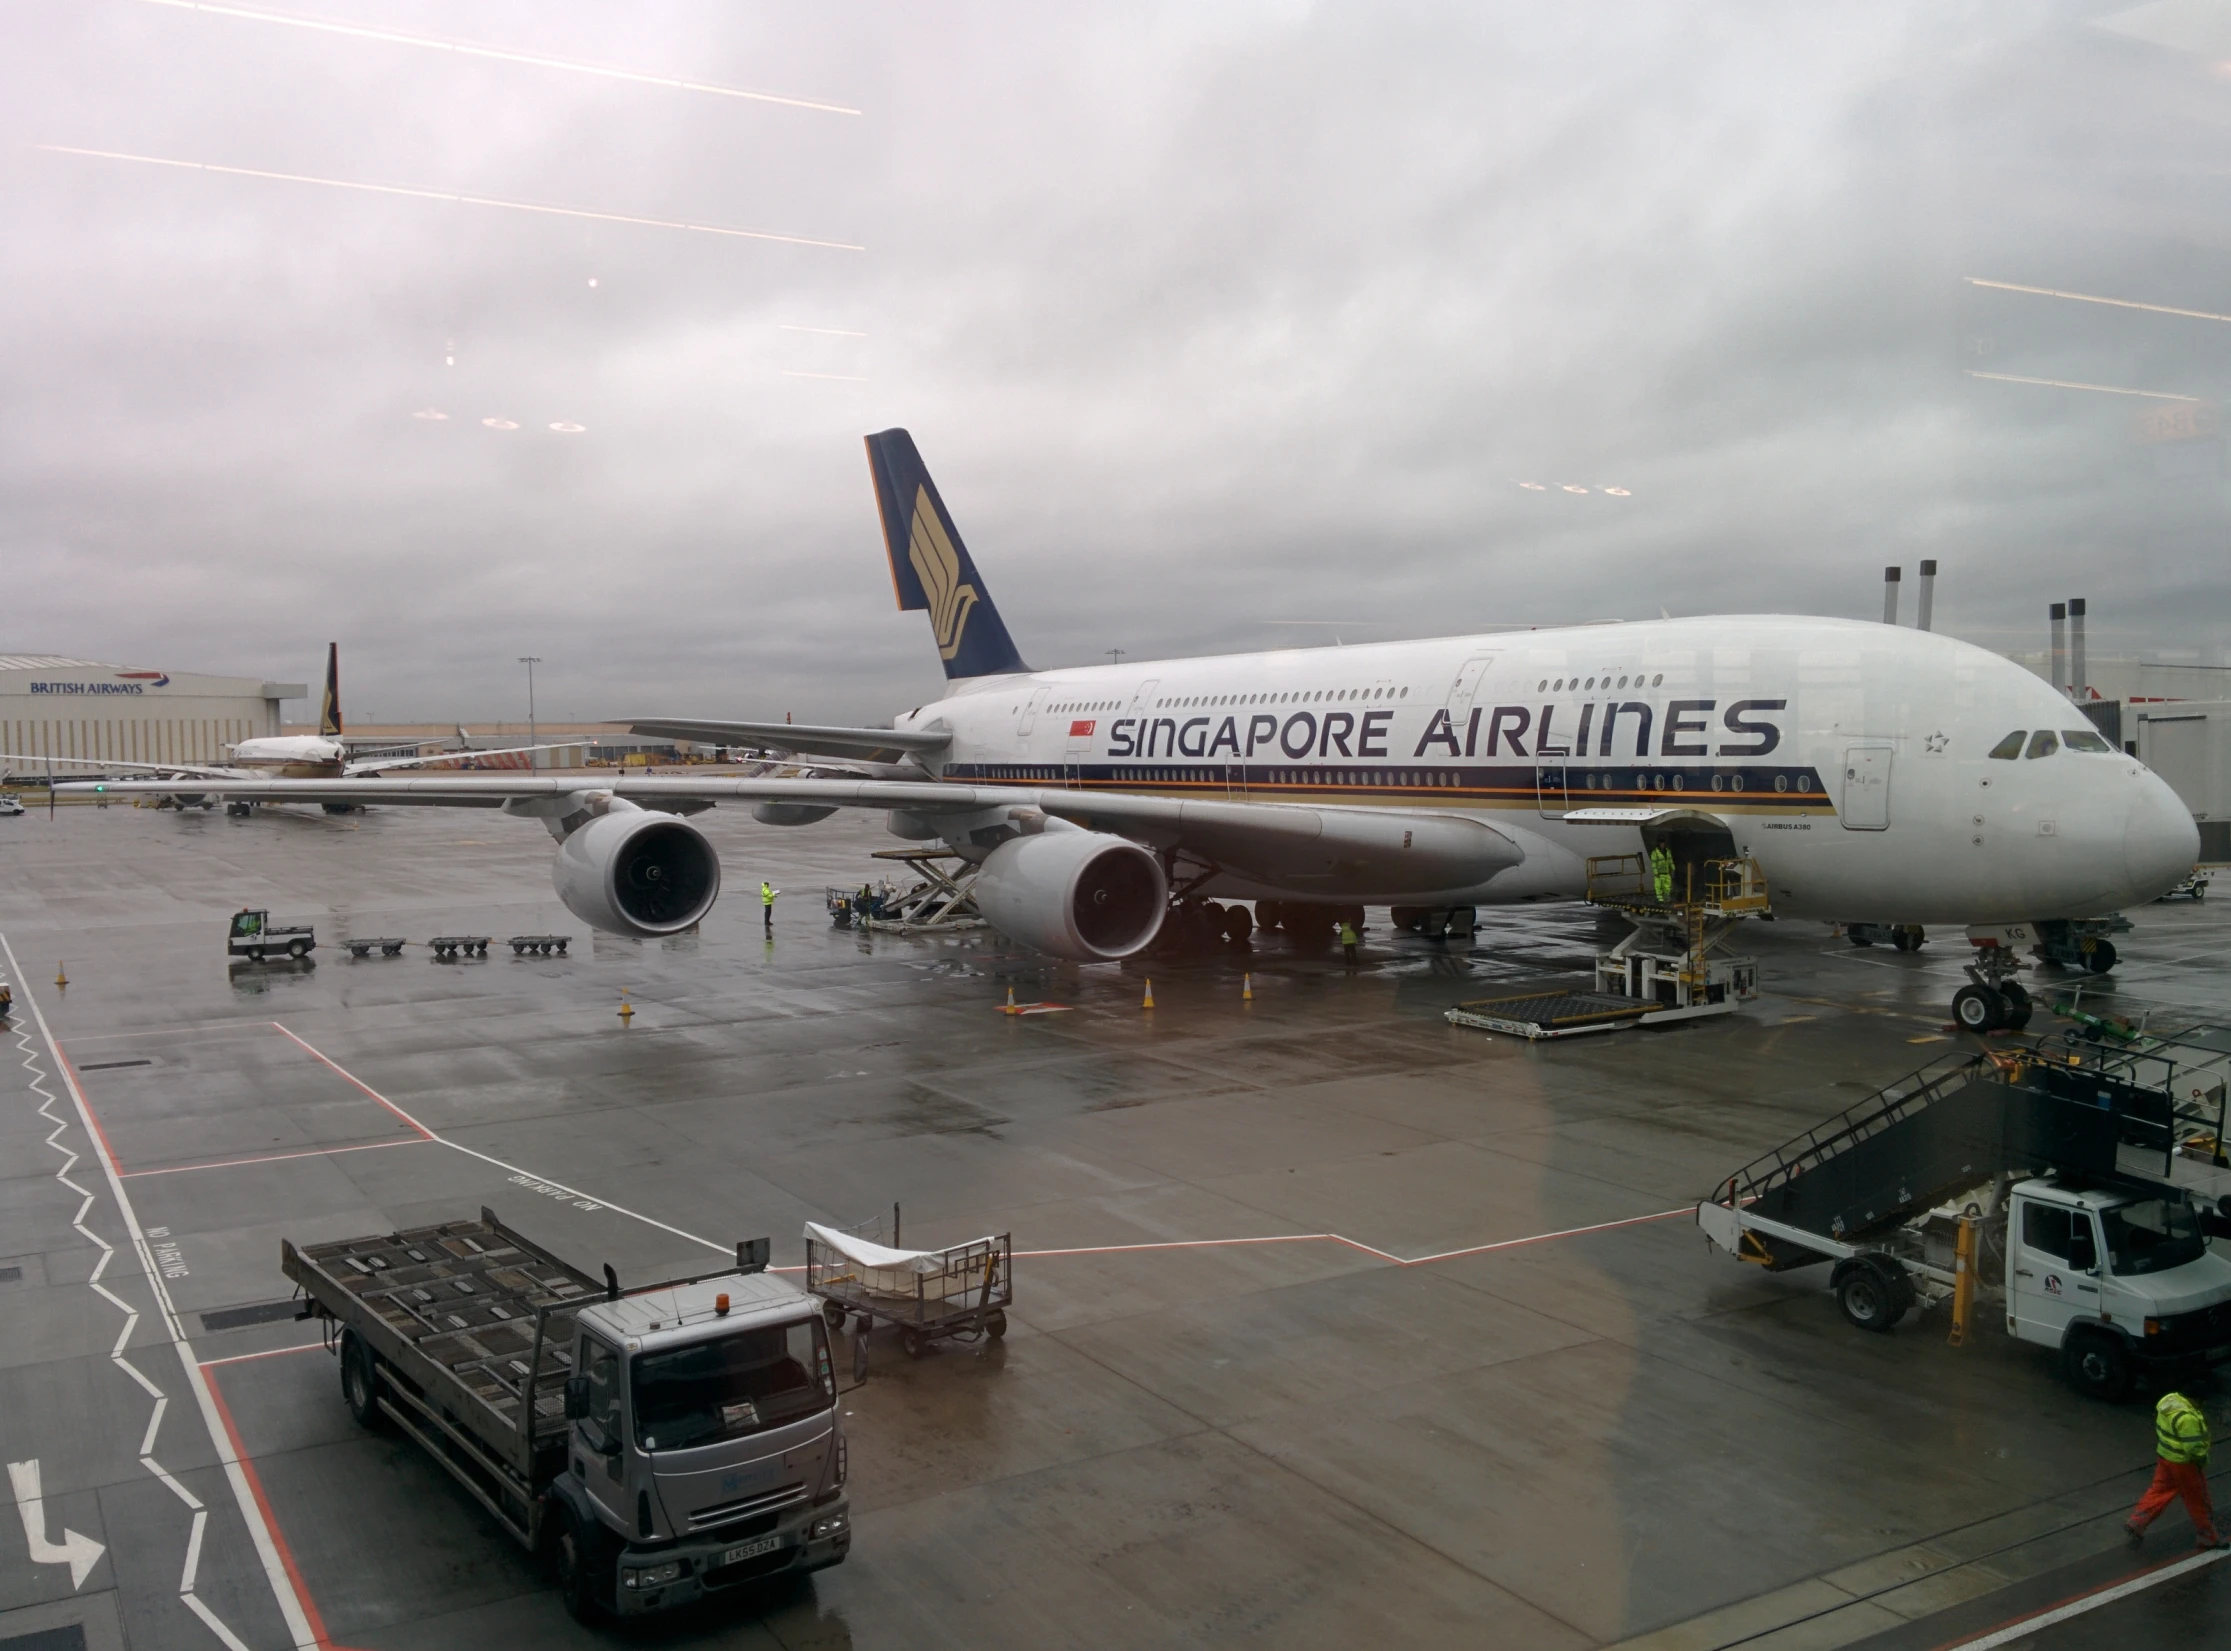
(931, 1295)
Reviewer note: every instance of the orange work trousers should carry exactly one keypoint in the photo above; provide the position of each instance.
(2174, 1480)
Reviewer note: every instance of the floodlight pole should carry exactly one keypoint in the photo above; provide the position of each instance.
(534, 757)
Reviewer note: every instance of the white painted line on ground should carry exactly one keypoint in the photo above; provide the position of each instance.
(2023, 1627)
(282, 1587)
(486, 1158)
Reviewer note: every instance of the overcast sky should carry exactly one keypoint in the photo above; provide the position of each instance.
(1204, 317)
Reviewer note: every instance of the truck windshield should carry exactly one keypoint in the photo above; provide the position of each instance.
(2152, 1237)
(725, 1389)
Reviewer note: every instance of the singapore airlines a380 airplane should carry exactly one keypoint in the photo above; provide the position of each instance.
(1873, 773)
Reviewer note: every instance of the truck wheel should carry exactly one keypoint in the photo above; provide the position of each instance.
(2100, 958)
(360, 1380)
(1977, 1010)
(255, 954)
(1871, 1296)
(576, 1563)
(912, 1342)
(298, 949)
(2097, 1367)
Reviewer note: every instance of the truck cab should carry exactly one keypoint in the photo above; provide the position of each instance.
(2116, 1279)
(705, 1446)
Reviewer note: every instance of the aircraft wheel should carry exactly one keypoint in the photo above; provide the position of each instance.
(2100, 958)
(1239, 923)
(1858, 940)
(1976, 1009)
(2018, 1006)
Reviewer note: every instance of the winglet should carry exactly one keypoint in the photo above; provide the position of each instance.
(930, 566)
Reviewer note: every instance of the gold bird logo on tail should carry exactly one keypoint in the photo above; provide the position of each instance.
(938, 565)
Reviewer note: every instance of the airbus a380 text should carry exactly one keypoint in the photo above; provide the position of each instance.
(1874, 773)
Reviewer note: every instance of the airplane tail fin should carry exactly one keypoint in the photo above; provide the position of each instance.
(329, 709)
(930, 567)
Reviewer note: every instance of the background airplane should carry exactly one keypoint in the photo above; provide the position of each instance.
(1874, 773)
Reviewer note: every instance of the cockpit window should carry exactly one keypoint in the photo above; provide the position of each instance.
(2083, 739)
(2043, 744)
(2010, 747)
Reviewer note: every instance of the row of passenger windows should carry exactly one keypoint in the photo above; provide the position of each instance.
(1564, 682)
(1200, 701)
(1090, 705)
(2043, 744)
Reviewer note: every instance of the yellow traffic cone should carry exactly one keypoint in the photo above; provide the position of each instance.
(627, 1010)
(1010, 1000)
(61, 975)
(1247, 988)
(1149, 1003)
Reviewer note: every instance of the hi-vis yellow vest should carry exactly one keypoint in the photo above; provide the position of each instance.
(2180, 1430)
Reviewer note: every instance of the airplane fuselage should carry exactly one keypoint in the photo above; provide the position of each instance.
(1852, 760)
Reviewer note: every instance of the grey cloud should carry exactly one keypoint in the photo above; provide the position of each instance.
(1203, 316)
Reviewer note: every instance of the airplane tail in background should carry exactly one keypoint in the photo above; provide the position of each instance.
(329, 709)
(930, 566)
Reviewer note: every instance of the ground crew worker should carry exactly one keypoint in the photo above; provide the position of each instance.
(1349, 941)
(7, 999)
(2180, 1471)
(1661, 874)
(767, 893)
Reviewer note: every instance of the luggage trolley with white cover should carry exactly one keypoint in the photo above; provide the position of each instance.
(930, 1295)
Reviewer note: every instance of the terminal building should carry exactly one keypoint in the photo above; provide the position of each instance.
(52, 706)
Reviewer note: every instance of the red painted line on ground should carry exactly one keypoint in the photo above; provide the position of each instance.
(280, 1157)
(270, 1519)
(267, 1353)
(2015, 1627)
(1367, 1249)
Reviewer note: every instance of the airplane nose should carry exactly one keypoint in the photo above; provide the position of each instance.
(2160, 842)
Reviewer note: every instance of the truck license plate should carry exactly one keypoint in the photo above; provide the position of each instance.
(751, 1550)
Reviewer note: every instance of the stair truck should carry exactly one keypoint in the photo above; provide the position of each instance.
(2076, 1187)
(654, 1445)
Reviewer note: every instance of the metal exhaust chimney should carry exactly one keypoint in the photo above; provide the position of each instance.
(1927, 594)
(2078, 686)
(2058, 612)
(1890, 578)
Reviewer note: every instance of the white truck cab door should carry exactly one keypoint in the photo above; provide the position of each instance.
(599, 1438)
(2052, 1263)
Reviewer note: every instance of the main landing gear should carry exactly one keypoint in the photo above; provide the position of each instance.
(1993, 1000)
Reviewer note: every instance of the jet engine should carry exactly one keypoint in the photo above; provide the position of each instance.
(1083, 895)
(634, 872)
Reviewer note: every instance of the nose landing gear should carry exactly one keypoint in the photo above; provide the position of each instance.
(1993, 1000)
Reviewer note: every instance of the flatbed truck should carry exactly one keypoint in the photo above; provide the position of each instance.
(2077, 1191)
(654, 1446)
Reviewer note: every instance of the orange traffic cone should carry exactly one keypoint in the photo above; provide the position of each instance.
(1247, 988)
(1149, 1003)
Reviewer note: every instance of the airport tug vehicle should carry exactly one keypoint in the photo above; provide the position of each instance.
(655, 1445)
(255, 937)
(2075, 1184)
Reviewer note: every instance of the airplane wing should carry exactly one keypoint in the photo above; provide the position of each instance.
(181, 770)
(865, 744)
(1293, 845)
(365, 766)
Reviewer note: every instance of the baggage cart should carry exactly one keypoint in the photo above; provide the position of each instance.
(930, 1295)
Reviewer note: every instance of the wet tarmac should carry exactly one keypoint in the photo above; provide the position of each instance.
(1333, 1322)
